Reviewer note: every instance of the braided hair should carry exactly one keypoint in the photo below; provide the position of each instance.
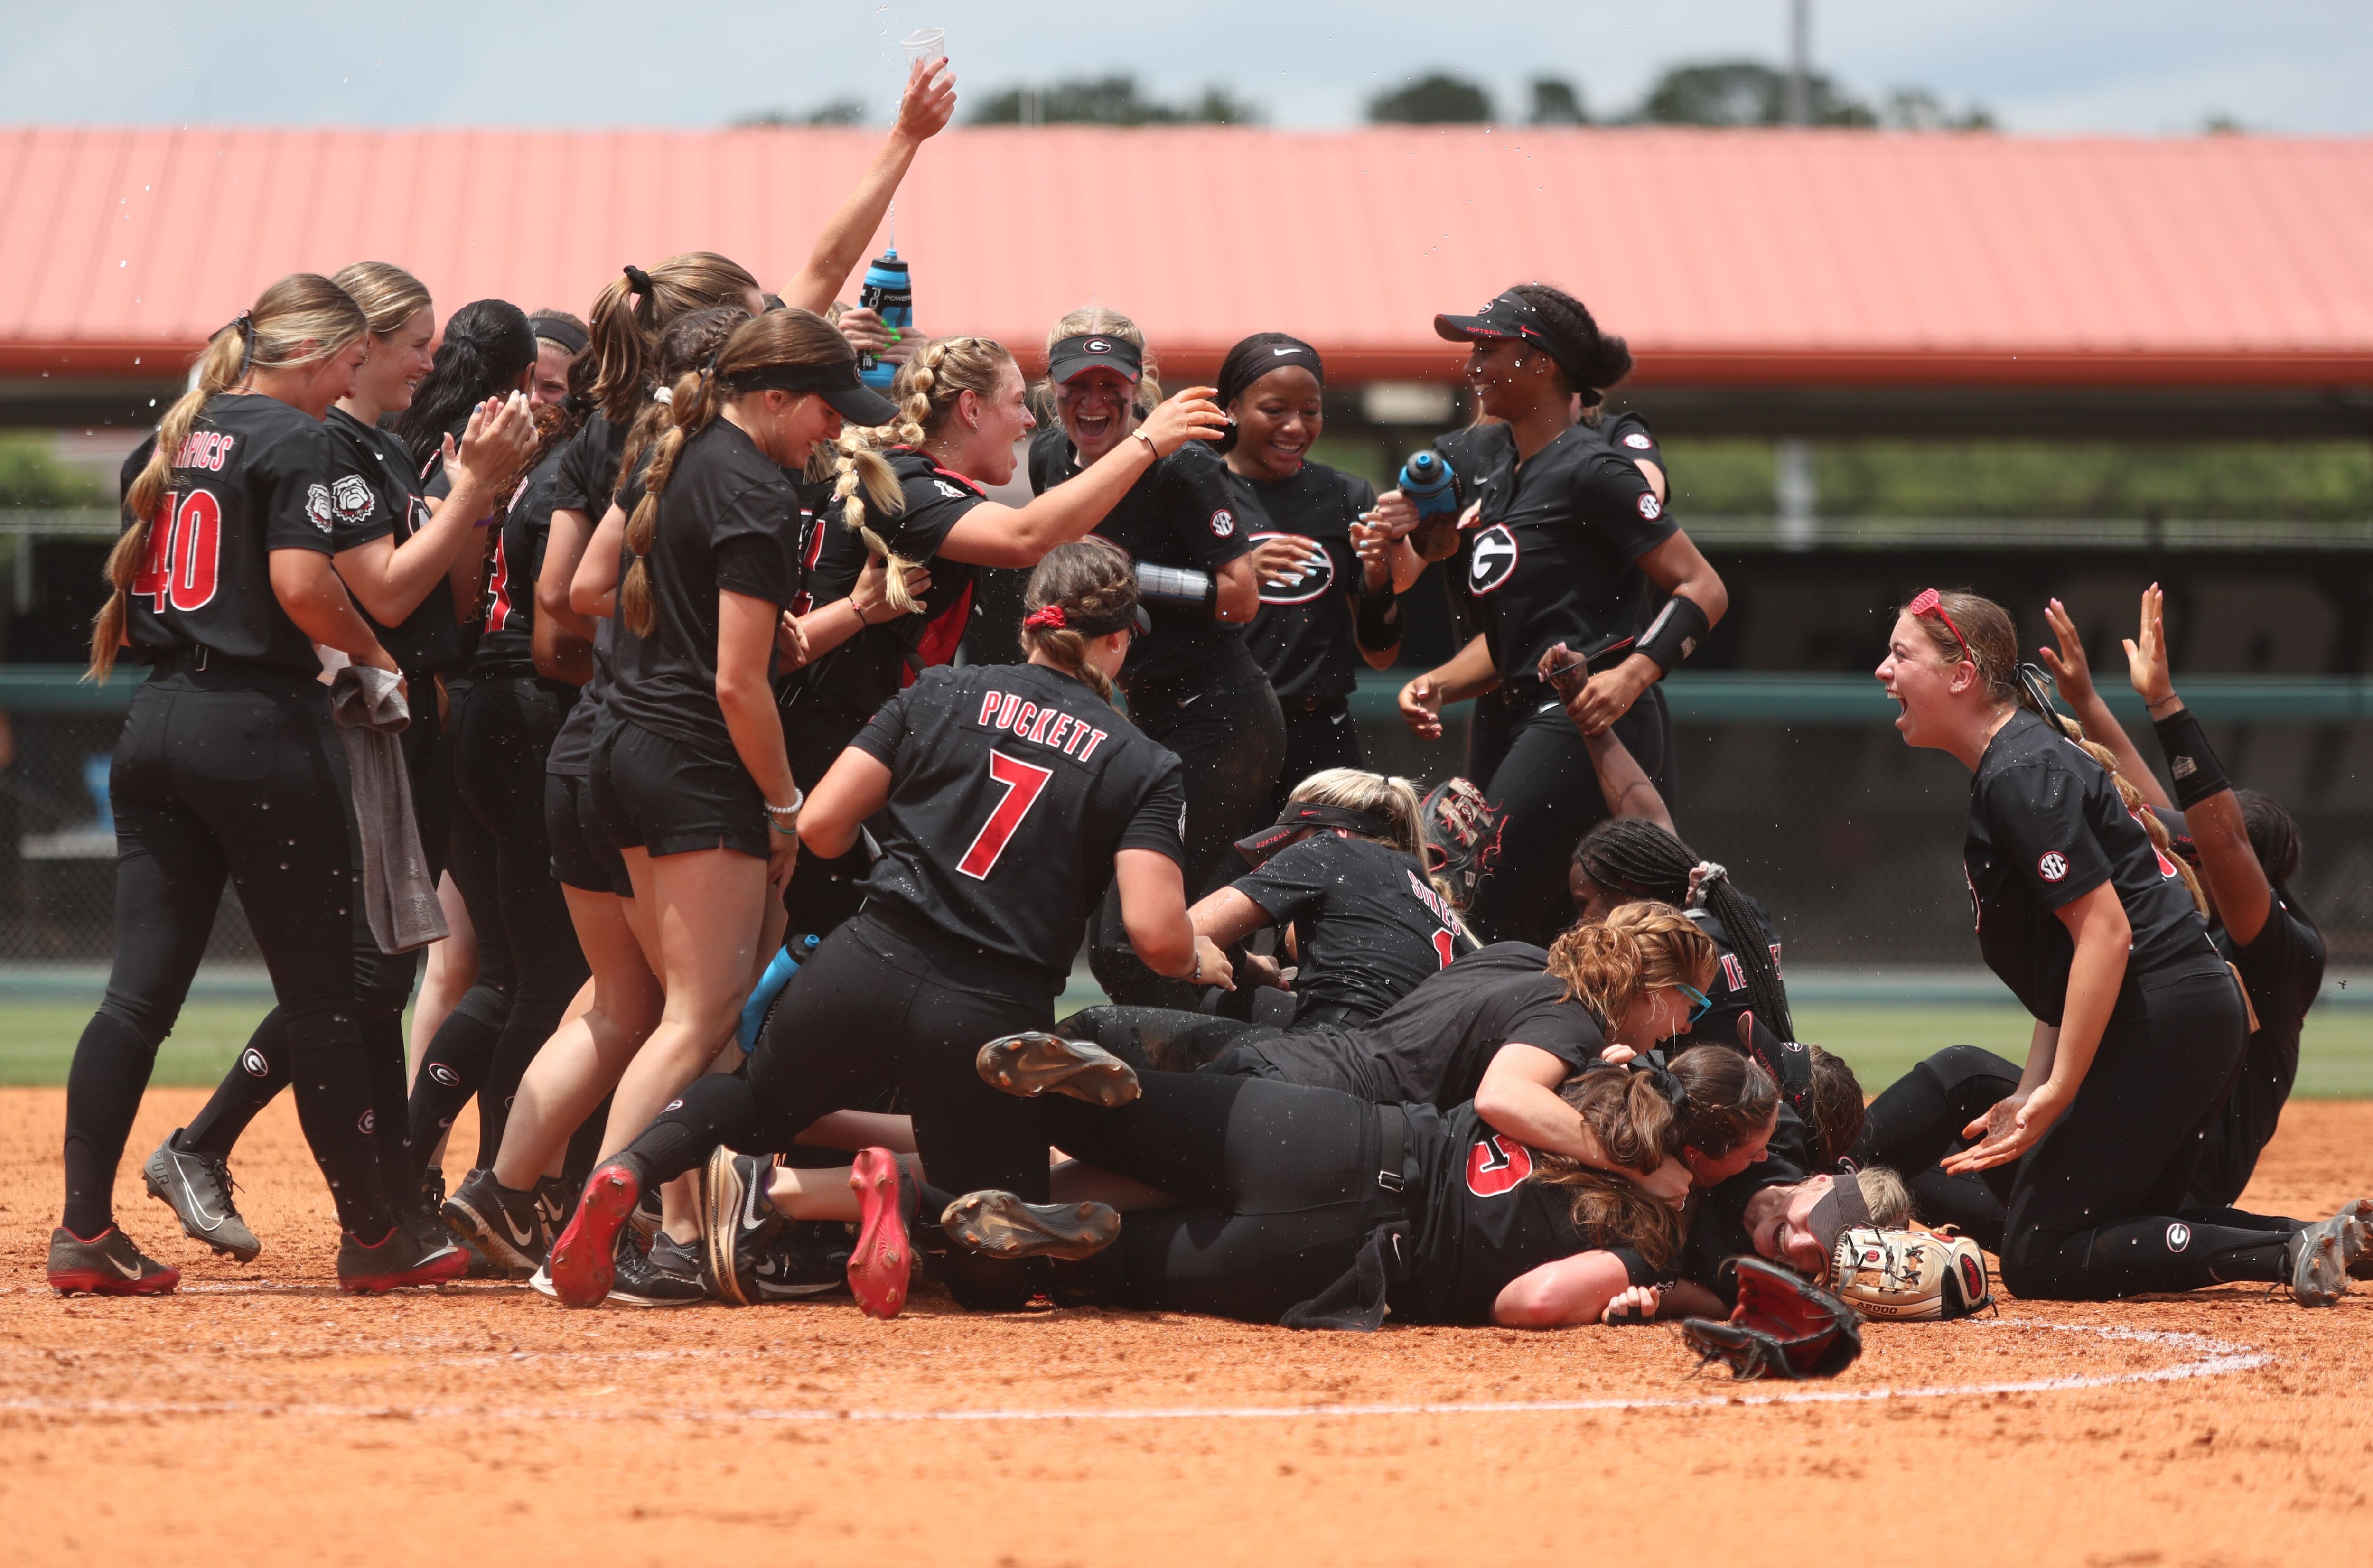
(1631, 858)
(1091, 582)
(925, 389)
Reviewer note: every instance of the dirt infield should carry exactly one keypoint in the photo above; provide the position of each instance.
(258, 1418)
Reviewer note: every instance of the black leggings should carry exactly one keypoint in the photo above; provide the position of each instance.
(1918, 1121)
(1157, 1039)
(1223, 722)
(879, 1008)
(1316, 738)
(383, 985)
(2093, 1210)
(229, 773)
(1544, 781)
(822, 894)
(2228, 1154)
(503, 733)
(1278, 1180)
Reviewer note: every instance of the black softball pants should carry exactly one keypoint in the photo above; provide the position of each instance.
(1918, 1121)
(823, 893)
(1278, 1180)
(1224, 723)
(1545, 783)
(885, 1004)
(2228, 1154)
(502, 735)
(2094, 1207)
(229, 773)
(1319, 734)
(383, 985)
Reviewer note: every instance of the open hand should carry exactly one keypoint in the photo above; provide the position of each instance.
(1189, 416)
(1420, 706)
(2071, 671)
(930, 101)
(1285, 558)
(2146, 656)
(2011, 1126)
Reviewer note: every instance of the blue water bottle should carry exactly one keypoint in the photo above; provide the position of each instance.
(889, 292)
(1427, 480)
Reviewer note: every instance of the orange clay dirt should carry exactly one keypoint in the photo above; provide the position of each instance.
(258, 1417)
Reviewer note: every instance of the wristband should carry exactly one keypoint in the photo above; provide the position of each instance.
(2193, 763)
(1377, 626)
(861, 622)
(786, 819)
(1152, 450)
(1177, 585)
(1675, 634)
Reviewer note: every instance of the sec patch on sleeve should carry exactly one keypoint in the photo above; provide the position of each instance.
(1637, 442)
(2052, 867)
(1223, 523)
(1651, 507)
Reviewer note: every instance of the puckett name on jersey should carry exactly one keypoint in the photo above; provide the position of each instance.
(1041, 726)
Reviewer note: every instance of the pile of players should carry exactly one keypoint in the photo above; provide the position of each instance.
(761, 775)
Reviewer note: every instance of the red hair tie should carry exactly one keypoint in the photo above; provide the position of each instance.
(1050, 617)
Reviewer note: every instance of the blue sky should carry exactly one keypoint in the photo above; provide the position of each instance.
(2051, 67)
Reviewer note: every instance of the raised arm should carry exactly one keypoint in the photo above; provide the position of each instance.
(923, 113)
(2072, 673)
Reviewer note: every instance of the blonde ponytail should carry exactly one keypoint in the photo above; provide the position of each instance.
(271, 334)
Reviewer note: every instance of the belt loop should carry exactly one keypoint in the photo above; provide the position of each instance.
(1392, 1141)
(203, 651)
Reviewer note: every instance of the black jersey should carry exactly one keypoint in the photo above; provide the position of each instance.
(1482, 1220)
(253, 476)
(872, 666)
(508, 643)
(1549, 547)
(1434, 1043)
(2046, 827)
(1012, 786)
(1728, 991)
(728, 522)
(1368, 927)
(1177, 514)
(2283, 971)
(588, 475)
(377, 493)
(1629, 434)
(1302, 636)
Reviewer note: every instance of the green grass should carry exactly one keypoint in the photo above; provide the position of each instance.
(37, 1040)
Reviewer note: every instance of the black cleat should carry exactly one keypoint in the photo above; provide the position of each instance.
(736, 1222)
(806, 1258)
(396, 1260)
(197, 1188)
(1033, 1062)
(107, 1265)
(998, 1224)
(506, 1226)
(667, 1275)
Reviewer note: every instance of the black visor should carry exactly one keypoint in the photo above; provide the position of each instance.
(836, 384)
(1074, 355)
(1299, 815)
(1510, 316)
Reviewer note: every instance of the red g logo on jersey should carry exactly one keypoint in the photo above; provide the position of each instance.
(1490, 558)
(1496, 1164)
(2052, 867)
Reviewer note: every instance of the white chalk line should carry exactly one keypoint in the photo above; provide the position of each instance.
(2216, 1358)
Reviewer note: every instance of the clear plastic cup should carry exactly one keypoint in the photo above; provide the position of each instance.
(926, 44)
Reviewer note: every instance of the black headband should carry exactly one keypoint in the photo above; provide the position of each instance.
(637, 280)
(2039, 697)
(1256, 356)
(1652, 1065)
(569, 334)
(836, 375)
(245, 322)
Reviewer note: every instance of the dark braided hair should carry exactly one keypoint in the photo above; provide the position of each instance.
(488, 345)
(1632, 858)
(1591, 360)
(2275, 839)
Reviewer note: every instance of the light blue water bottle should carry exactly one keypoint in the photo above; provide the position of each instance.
(889, 292)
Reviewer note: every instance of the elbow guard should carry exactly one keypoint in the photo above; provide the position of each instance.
(1675, 634)
(1177, 585)
(1378, 624)
(2197, 773)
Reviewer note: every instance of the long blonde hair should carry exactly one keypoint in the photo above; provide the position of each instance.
(925, 389)
(271, 334)
(628, 316)
(778, 337)
(1641, 947)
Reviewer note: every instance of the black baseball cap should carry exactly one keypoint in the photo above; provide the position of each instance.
(835, 383)
(1072, 355)
(1510, 315)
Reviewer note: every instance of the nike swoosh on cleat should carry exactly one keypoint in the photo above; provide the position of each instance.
(206, 1220)
(750, 1219)
(129, 1270)
(519, 1237)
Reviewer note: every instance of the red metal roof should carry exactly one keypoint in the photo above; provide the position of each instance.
(1726, 257)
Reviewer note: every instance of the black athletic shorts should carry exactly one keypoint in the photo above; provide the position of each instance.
(582, 856)
(660, 795)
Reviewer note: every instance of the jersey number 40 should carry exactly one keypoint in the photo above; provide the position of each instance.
(1023, 784)
(183, 561)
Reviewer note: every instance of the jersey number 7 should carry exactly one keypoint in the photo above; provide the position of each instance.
(183, 563)
(1023, 784)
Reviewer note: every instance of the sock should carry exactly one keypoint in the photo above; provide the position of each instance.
(520, 1039)
(253, 1081)
(334, 1105)
(103, 1088)
(450, 1070)
(391, 1114)
(719, 1108)
(2136, 1256)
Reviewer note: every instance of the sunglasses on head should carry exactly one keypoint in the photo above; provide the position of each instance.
(1928, 601)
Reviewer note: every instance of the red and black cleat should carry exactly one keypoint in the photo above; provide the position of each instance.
(400, 1260)
(583, 1262)
(882, 1264)
(107, 1265)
